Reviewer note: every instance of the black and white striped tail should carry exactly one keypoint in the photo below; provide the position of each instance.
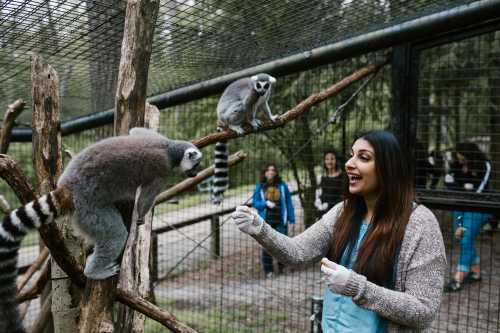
(221, 176)
(12, 230)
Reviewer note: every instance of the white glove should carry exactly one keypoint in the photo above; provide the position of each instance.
(336, 276)
(247, 220)
(270, 204)
(449, 178)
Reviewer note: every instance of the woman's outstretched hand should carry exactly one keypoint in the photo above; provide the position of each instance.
(335, 275)
(247, 220)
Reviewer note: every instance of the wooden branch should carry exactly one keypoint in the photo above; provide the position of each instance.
(190, 182)
(32, 269)
(16, 179)
(152, 311)
(296, 111)
(37, 287)
(13, 111)
(44, 316)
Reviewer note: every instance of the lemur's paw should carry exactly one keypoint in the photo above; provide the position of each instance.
(238, 129)
(256, 124)
(274, 118)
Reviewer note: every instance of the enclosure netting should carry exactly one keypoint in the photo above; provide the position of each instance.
(194, 39)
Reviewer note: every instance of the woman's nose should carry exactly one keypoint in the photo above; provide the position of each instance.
(349, 164)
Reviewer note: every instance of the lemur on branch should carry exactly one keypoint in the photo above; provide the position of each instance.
(238, 106)
(101, 175)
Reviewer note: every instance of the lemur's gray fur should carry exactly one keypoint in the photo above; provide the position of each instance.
(101, 175)
(238, 106)
(241, 101)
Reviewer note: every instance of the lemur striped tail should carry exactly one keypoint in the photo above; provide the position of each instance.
(221, 176)
(12, 231)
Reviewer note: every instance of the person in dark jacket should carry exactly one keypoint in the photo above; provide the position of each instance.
(331, 186)
(470, 172)
(273, 202)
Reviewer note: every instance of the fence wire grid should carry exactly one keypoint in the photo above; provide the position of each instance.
(220, 285)
(200, 39)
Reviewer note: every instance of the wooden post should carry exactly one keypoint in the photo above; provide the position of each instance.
(137, 43)
(154, 257)
(215, 238)
(134, 272)
(130, 105)
(47, 162)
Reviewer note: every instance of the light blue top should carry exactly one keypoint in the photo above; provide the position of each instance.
(340, 313)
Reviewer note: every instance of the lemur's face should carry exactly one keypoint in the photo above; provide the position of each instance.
(190, 161)
(262, 83)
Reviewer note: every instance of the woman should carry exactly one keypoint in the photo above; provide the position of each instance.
(471, 172)
(386, 258)
(330, 188)
(273, 201)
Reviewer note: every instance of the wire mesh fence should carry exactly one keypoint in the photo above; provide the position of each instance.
(211, 275)
(200, 39)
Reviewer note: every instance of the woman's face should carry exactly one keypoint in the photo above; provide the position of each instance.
(360, 169)
(330, 162)
(270, 173)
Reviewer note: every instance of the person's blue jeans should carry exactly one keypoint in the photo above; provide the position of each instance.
(267, 260)
(472, 222)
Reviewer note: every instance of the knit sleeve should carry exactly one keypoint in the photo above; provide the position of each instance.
(417, 305)
(308, 247)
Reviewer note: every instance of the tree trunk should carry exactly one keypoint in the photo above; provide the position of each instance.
(307, 158)
(130, 104)
(130, 98)
(47, 162)
(134, 272)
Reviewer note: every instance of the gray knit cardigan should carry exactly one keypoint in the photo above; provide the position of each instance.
(420, 268)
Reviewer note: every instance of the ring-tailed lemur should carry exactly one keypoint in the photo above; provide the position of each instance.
(238, 106)
(101, 175)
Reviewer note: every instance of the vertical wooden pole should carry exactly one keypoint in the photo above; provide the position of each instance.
(215, 238)
(130, 105)
(130, 99)
(47, 162)
(134, 272)
(154, 257)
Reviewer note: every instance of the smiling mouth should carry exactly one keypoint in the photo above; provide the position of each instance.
(353, 179)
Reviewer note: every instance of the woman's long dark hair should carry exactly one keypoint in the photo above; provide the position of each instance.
(377, 253)
(263, 179)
